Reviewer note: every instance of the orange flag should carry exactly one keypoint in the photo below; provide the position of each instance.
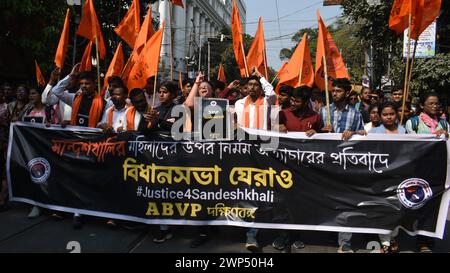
(126, 70)
(90, 28)
(300, 62)
(116, 66)
(257, 53)
(221, 75)
(144, 35)
(178, 3)
(39, 78)
(399, 19)
(86, 62)
(148, 61)
(63, 42)
(425, 13)
(130, 26)
(335, 64)
(281, 71)
(238, 42)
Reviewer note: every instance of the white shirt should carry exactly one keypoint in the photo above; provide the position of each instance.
(137, 119)
(119, 118)
(48, 98)
(269, 99)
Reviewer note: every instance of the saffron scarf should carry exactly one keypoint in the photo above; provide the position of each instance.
(257, 122)
(131, 114)
(94, 113)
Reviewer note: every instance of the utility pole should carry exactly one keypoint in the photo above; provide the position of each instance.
(209, 60)
(200, 55)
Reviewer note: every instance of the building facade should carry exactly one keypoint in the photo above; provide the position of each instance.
(191, 26)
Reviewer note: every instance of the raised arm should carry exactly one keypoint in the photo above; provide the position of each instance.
(194, 91)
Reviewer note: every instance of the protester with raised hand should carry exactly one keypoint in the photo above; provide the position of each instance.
(63, 111)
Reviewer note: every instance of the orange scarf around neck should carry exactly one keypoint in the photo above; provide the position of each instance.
(257, 122)
(131, 114)
(94, 113)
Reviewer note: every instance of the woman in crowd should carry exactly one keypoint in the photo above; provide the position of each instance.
(36, 112)
(389, 125)
(428, 121)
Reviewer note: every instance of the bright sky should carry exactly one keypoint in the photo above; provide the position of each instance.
(294, 15)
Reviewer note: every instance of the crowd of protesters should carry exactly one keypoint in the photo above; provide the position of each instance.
(74, 101)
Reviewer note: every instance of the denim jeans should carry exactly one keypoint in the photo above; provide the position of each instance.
(345, 238)
(252, 232)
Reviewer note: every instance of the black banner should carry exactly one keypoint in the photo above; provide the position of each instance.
(371, 184)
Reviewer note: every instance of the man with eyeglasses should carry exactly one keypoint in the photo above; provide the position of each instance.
(376, 97)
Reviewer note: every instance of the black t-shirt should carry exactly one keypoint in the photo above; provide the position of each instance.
(85, 109)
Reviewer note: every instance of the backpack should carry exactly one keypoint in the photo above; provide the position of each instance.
(415, 123)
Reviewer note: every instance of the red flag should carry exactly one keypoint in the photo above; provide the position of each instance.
(238, 43)
(90, 28)
(221, 75)
(335, 64)
(257, 53)
(178, 3)
(148, 61)
(86, 62)
(130, 26)
(63, 42)
(39, 78)
(116, 66)
(300, 62)
(145, 34)
(426, 12)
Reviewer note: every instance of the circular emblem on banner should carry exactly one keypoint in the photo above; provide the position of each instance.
(39, 169)
(413, 193)
(213, 103)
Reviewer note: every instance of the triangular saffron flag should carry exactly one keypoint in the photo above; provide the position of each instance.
(257, 53)
(39, 78)
(63, 42)
(130, 26)
(86, 61)
(300, 62)
(335, 64)
(426, 12)
(144, 35)
(148, 61)
(90, 28)
(399, 18)
(221, 75)
(238, 42)
(116, 65)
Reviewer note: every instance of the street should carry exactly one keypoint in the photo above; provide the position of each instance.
(18, 234)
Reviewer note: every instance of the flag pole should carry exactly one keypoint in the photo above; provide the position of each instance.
(265, 61)
(245, 59)
(406, 84)
(154, 95)
(98, 64)
(273, 80)
(171, 42)
(126, 65)
(327, 96)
